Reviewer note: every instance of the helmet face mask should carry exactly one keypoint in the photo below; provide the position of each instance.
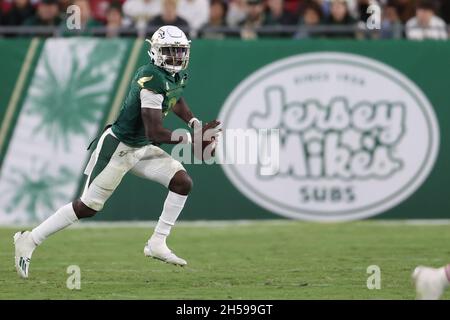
(170, 49)
(175, 58)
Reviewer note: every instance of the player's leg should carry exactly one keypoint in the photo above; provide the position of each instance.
(105, 171)
(179, 187)
(431, 282)
(159, 166)
(25, 242)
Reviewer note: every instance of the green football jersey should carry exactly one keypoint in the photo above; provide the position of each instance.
(129, 127)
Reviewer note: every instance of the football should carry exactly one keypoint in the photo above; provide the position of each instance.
(205, 137)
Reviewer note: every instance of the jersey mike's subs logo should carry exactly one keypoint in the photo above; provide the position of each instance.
(356, 136)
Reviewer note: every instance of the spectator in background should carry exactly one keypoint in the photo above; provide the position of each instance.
(20, 11)
(217, 14)
(296, 6)
(86, 14)
(340, 17)
(4, 7)
(140, 12)
(391, 26)
(253, 20)
(1, 13)
(63, 4)
(311, 16)
(86, 20)
(169, 16)
(237, 11)
(361, 9)
(195, 12)
(366, 19)
(113, 20)
(405, 9)
(276, 14)
(47, 14)
(100, 8)
(326, 7)
(445, 10)
(426, 25)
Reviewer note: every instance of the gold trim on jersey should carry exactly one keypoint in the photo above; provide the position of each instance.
(143, 80)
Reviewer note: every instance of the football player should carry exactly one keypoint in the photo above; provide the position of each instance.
(131, 145)
(430, 282)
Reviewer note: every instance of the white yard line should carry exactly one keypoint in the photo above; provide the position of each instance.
(237, 223)
(197, 223)
(418, 222)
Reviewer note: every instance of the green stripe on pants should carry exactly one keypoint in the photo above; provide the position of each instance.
(107, 150)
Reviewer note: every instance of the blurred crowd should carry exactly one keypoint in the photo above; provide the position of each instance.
(248, 19)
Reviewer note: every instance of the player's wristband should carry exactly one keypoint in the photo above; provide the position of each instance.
(191, 122)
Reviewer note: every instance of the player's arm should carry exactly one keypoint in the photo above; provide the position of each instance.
(151, 105)
(181, 109)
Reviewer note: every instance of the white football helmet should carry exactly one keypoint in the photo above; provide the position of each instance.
(169, 49)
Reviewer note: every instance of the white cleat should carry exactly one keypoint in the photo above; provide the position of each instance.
(430, 282)
(160, 251)
(24, 247)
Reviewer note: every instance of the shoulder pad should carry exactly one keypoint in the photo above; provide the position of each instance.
(150, 79)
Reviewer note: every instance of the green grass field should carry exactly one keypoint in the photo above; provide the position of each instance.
(261, 260)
